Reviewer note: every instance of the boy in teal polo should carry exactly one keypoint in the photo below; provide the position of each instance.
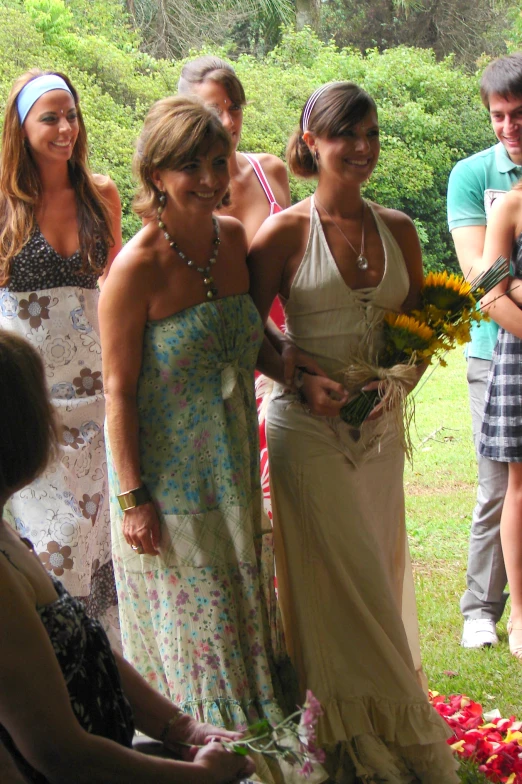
(474, 184)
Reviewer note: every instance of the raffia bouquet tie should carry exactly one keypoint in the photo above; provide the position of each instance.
(395, 382)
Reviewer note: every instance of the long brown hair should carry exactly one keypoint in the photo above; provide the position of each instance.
(21, 188)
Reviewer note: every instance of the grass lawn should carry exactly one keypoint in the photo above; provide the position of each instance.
(440, 495)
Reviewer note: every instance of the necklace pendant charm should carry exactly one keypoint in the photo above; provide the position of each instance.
(362, 262)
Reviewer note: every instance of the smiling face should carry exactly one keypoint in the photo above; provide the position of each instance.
(214, 95)
(352, 156)
(199, 185)
(506, 119)
(51, 127)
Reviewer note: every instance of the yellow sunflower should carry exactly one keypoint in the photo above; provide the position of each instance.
(447, 292)
(407, 333)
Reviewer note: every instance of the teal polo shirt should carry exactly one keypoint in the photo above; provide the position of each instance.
(473, 186)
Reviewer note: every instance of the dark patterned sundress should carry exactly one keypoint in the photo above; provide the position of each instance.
(90, 672)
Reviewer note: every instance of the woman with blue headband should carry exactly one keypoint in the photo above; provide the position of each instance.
(339, 263)
(59, 231)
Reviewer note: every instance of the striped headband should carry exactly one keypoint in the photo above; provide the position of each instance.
(34, 89)
(309, 106)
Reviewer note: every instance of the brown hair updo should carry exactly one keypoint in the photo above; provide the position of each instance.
(212, 69)
(336, 110)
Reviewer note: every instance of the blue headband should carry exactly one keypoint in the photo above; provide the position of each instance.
(34, 89)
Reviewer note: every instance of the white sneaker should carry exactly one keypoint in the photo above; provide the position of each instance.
(479, 633)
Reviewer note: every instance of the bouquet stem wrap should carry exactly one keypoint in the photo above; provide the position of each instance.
(395, 383)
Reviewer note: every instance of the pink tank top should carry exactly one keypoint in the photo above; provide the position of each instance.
(274, 206)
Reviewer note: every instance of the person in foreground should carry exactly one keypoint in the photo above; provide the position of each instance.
(474, 185)
(59, 231)
(180, 338)
(501, 434)
(340, 262)
(68, 704)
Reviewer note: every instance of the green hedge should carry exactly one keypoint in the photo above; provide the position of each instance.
(430, 112)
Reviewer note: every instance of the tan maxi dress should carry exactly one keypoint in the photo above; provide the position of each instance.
(341, 548)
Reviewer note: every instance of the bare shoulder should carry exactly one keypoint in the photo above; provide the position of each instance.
(15, 587)
(285, 228)
(136, 259)
(270, 164)
(398, 222)
(276, 172)
(106, 186)
(233, 234)
(231, 226)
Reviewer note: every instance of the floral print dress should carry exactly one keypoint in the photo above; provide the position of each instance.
(65, 512)
(195, 620)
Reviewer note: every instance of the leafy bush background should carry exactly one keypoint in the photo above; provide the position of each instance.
(430, 112)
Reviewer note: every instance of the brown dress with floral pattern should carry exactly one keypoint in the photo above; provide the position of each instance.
(50, 302)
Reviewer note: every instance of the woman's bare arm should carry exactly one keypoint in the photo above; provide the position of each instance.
(46, 731)
(110, 192)
(503, 227)
(123, 311)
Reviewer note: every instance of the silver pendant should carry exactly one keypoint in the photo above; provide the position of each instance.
(362, 262)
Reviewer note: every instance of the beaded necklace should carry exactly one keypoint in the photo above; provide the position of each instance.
(205, 272)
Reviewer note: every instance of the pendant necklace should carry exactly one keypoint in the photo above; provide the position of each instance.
(361, 260)
(205, 272)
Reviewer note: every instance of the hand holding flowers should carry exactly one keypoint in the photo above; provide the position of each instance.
(291, 742)
(449, 307)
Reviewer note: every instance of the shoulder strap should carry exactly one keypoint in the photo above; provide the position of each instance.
(258, 169)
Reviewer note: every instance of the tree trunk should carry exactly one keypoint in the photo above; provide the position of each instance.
(307, 13)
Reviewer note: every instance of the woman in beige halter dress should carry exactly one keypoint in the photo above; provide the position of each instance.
(339, 263)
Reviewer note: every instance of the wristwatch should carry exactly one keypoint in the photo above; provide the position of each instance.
(133, 498)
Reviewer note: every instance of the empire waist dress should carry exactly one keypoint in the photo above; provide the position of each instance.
(65, 512)
(195, 619)
(341, 550)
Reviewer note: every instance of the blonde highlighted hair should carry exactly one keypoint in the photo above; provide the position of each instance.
(176, 130)
(21, 188)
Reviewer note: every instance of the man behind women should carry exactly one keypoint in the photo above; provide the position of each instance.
(474, 185)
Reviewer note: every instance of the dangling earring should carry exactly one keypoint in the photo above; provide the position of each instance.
(162, 198)
(316, 157)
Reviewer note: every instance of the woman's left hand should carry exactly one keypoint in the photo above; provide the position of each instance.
(194, 733)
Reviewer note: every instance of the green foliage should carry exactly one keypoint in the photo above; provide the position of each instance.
(50, 17)
(429, 111)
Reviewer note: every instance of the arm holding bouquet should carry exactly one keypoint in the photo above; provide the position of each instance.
(277, 249)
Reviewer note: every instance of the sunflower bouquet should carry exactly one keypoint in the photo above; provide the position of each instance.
(448, 310)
